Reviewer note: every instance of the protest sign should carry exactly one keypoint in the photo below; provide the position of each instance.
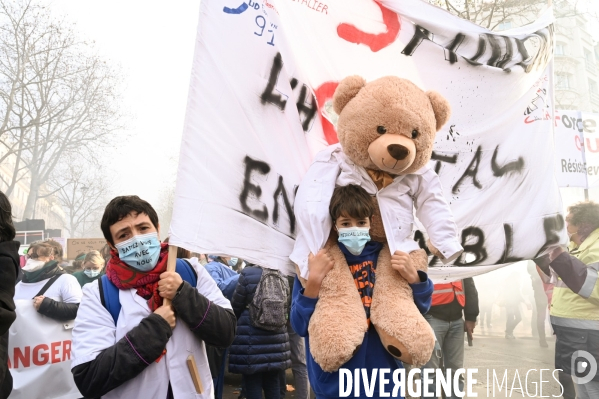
(259, 109)
(577, 149)
(76, 246)
(39, 356)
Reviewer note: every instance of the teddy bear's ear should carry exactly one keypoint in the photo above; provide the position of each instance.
(348, 88)
(441, 108)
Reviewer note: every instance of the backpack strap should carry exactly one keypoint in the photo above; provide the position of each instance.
(109, 293)
(187, 272)
(48, 284)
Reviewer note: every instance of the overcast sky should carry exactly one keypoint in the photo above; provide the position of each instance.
(152, 43)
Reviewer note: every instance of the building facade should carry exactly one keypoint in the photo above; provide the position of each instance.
(576, 65)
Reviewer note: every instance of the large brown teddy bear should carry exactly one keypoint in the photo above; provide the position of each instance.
(386, 130)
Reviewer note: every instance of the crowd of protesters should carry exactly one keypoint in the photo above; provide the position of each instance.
(125, 308)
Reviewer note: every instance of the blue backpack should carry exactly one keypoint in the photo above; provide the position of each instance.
(109, 293)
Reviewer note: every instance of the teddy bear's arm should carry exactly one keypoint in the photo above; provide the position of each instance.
(435, 214)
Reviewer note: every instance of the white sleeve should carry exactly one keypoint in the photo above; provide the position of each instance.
(435, 214)
(94, 328)
(311, 210)
(207, 286)
(70, 290)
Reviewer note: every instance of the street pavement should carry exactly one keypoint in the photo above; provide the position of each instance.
(491, 352)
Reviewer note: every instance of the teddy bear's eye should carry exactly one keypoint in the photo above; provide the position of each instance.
(381, 130)
(414, 133)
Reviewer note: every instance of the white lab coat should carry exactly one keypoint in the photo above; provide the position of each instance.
(422, 190)
(50, 378)
(66, 289)
(95, 331)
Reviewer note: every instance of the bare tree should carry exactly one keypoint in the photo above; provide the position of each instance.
(83, 193)
(491, 14)
(167, 197)
(59, 98)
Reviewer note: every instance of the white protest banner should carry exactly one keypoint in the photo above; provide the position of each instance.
(259, 109)
(577, 149)
(39, 356)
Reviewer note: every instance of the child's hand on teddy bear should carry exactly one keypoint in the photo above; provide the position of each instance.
(402, 263)
(318, 265)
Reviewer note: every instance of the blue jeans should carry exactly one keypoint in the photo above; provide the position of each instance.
(257, 382)
(298, 364)
(450, 338)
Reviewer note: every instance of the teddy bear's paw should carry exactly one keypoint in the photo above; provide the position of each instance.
(394, 346)
(422, 350)
(336, 333)
(332, 350)
(434, 250)
(413, 347)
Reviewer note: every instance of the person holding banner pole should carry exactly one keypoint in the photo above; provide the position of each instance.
(9, 269)
(128, 342)
(575, 300)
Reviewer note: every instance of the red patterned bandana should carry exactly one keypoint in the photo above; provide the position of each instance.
(146, 283)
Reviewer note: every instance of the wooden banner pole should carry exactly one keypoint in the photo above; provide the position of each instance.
(171, 266)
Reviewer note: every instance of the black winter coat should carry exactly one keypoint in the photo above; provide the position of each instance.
(255, 350)
(9, 268)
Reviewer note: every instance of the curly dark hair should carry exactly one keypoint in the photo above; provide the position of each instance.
(585, 216)
(352, 201)
(7, 228)
(121, 207)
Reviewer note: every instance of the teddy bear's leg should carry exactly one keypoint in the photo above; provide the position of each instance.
(338, 324)
(402, 329)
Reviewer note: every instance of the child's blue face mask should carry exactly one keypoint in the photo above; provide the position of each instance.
(140, 252)
(354, 238)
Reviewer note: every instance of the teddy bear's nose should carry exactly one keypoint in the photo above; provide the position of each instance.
(398, 151)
